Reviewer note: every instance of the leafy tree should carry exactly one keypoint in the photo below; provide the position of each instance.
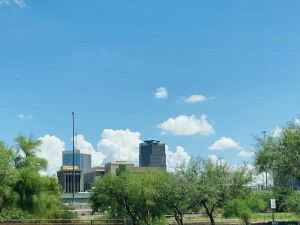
(280, 156)
(243, 208)
(216, 182)
(7, 176)
(129, 194)
(24, 192)
(293, 202)
(175, 194)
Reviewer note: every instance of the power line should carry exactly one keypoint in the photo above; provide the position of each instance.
(141, 47)
(174, 75)
(161, 33)
(197, 11)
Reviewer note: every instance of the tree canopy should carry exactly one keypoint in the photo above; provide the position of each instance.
(24, 192)
(280, 156)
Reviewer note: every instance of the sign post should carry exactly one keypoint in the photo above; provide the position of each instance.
(273, 207)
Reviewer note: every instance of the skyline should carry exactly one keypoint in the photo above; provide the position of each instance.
(203, 77)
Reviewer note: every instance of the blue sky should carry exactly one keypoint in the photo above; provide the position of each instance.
(106, 60)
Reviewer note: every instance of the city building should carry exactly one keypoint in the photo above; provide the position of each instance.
(90, 176)
(80, 159)
(65, 179)
(152, 154)
(113, 167)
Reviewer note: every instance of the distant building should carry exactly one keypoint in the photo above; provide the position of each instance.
(90, 176)
(65, 178)
(80, 159)
(113, 167)
(152, 154)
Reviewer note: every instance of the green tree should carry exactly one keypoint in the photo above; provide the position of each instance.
(129, 194)
(25, 192)
(7, 176)
(280, 156)
(216, 182)
(175, 194)
(243, 208)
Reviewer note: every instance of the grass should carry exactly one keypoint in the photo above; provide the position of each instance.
(257, 217)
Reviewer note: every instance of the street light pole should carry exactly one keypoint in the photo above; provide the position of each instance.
(73, 183)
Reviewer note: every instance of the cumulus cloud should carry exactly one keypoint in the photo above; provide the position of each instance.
(120, 145)
(195, 99)
(19, 3)
(224, 143)
(24, 117)
(244, 153)
(297, 121)
(216, 159)
(187, 125)
(85, 147)
(277, 132)
(175, 159)
(51, 149)
(161, 93)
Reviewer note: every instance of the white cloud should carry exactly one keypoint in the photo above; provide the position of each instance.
(297, 121)
(120, 145)
(224, 143)
(51, 149)
(244, 153)
(161, 93)
(24, 117)
(216, 159)
(277, 132)
(195, 99)
(176, 158)
(19, 3)
(187, 125)
(87, 148)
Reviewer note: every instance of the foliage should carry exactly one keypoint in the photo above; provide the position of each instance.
(129, 194)
(243, 208)
(280, 156)
(216, 182)
(7, 175)
(24, 192)
(175, 194)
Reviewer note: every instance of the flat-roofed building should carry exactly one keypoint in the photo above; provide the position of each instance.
(82, 160)
(91, 175)
(65, 178)
(112, 167)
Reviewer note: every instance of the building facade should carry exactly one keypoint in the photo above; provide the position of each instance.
(65, 178)
(90, 176)
(83, 161)
(152, 154)
(113, 167)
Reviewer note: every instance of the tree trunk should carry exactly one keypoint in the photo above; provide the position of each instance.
(178, 218)
(209, 214)
(211, 217)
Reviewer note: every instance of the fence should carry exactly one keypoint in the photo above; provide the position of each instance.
(66, 222)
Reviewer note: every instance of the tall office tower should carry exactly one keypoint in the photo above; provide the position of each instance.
(80, 159)
(152, 154)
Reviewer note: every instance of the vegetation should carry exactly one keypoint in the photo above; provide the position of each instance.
(243, 208)
(146, 196)
(24, 192)
(280, 155)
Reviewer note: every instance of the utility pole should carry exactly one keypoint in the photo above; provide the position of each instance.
(73, 183)
(264, 137)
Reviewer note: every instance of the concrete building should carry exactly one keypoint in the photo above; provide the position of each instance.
(65, 178)
(113, 167)
(90, 176)
(152, 154)
(80, 159)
